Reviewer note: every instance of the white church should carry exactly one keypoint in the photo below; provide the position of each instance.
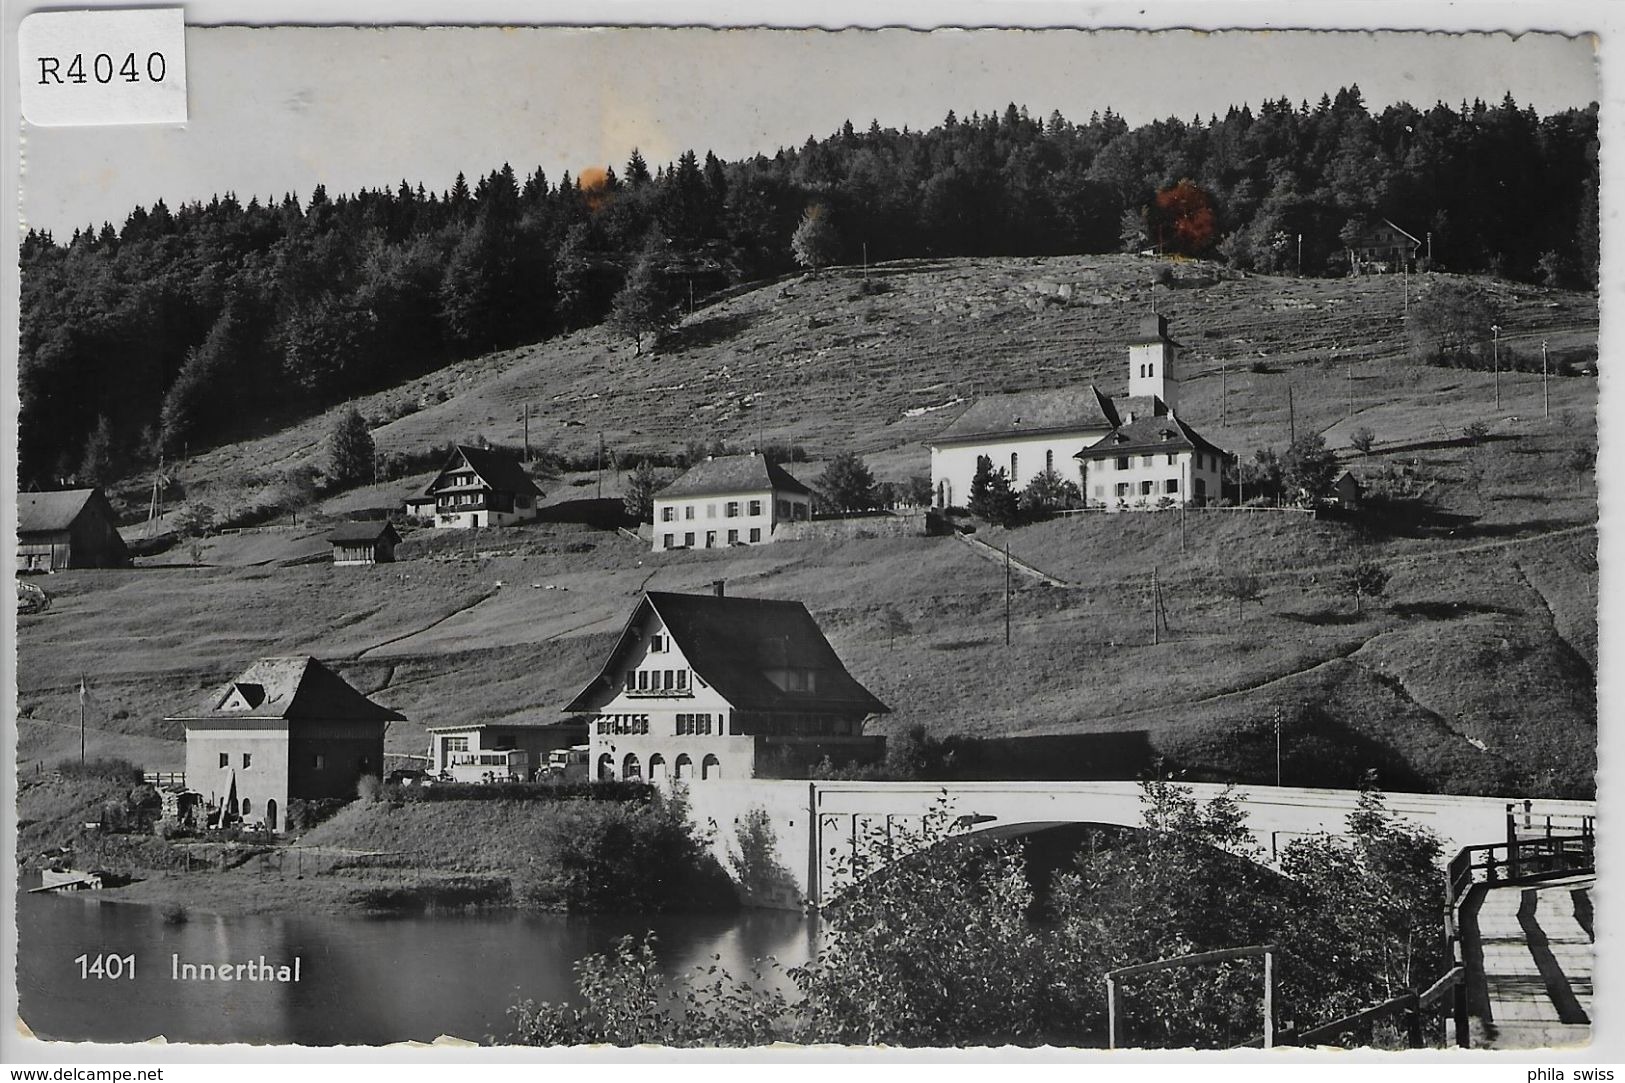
(1123, 453)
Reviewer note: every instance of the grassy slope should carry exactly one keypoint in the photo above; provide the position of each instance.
(1495, 596)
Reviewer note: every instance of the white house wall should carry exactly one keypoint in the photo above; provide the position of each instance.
(736, 755)
(1104, 477)
(955, 464)
(710, 515)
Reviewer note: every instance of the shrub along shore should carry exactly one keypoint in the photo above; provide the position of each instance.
(580, 848)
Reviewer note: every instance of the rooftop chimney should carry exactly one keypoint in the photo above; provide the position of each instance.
(717, 586)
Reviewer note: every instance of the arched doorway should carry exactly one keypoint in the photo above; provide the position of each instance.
(630, 768)
(270, 815)
(711, 768)
(683, 769)
(606, 767)
(657, 768)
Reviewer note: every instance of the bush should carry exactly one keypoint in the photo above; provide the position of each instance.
(305, 814)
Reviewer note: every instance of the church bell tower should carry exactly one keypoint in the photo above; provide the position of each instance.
(1151, 362)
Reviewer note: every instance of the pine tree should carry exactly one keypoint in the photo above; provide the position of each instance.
(99, 465)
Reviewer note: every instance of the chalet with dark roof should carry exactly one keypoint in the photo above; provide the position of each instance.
(478, 487)
(285, 729)
(703, 686)
(728, 500)
(73, 528)
(1382, 247)
(363, 543)
(1152, 462)
(1030, 432)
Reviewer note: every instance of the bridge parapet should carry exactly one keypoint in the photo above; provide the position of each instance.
(793, 839)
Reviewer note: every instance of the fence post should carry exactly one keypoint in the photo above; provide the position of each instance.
(1413, 1021)
(1111, 1013)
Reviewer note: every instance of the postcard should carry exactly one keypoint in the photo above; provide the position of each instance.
(1043, 538)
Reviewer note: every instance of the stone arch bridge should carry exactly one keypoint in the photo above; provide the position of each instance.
(786, 840)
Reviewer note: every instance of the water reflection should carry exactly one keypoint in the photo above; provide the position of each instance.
(362, 981)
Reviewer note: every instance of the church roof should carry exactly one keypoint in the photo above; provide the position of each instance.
(1057, 411)
(732, 644)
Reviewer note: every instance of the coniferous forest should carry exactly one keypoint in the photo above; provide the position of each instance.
(191, 325)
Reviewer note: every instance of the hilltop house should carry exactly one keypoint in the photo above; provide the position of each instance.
(509, 751)
(363, 543)
(285, 729)
(728, 500)
(74, 528)
(1382, 247)
(478, 487)
(702, 687)
(1151, 462)
(1029, 432)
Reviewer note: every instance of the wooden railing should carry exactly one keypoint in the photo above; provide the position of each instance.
(1411, 1007)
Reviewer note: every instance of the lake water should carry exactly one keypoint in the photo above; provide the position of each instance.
(364, 981)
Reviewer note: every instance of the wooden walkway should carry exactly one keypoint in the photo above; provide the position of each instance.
(1529, 953)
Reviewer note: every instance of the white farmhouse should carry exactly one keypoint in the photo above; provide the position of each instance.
(705, 687)
(728, 500)
(1029, 432)
(1152, 462)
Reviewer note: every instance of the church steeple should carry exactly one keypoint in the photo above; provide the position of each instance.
(1151, 361)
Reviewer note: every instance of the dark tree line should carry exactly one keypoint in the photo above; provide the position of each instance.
(201, 323)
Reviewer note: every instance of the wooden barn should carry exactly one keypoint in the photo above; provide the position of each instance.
(363, 543)
(72, 528)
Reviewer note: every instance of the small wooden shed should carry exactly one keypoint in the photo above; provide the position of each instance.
(363, 543)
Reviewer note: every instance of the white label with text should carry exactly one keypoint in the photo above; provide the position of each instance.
(103, 67)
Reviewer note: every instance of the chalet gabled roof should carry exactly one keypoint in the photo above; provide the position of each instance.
(498, 472)
(732, 643)
(356, 533)
(1052, 411)
(733, 474)
(294, 689)
(1398, 229)
(51, 512)
(1150, 435)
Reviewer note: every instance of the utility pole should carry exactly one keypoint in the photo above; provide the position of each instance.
(81, 717)
(1007, 593)
(1291, 418)
(1224, 389)
(600, 464)
(1495, 338)
(1545, 380)
(527, 431)
(1406, 268)
(1300, 255)
(1277, 748)
(1430, 250)
(1351, 387)
(865, 259)
(1155, 605)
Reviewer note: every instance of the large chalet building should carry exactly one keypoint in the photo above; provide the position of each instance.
(705, 687)
(476, 488)
(1088, 437)
(286, 728)
(728, 500)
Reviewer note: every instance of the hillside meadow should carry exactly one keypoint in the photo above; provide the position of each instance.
(1474, 672)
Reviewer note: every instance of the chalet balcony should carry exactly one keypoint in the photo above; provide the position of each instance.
(659, 693)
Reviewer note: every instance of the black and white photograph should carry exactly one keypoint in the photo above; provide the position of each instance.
(692, 537)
